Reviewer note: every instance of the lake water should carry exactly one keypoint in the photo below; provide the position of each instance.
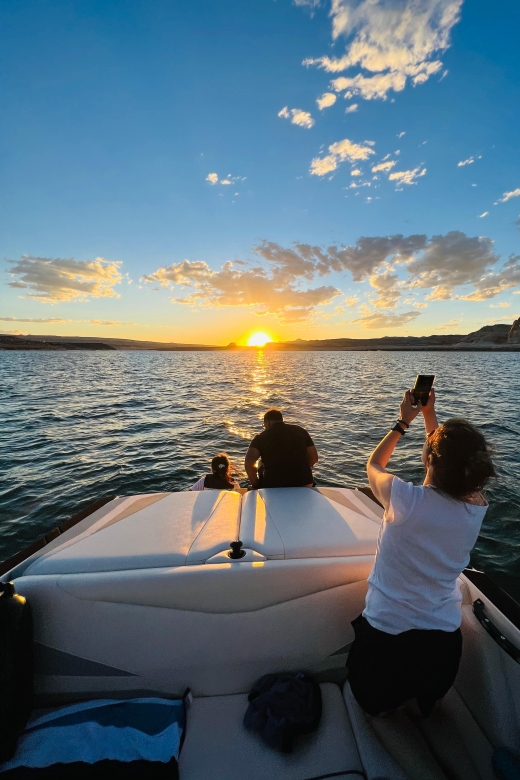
(76, 426)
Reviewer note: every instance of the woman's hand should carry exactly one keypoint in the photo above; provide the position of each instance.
(429, 413)
(430, 406)
(407, 410)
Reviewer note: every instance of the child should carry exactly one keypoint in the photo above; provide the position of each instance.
(220, 477)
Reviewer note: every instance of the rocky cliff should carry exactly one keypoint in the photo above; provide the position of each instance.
(513, 337)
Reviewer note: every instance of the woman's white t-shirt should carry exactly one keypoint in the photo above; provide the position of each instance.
(423, 546)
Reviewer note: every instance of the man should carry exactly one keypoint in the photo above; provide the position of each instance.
(287, 452)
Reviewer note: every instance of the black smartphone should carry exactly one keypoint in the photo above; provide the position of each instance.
(421, 389)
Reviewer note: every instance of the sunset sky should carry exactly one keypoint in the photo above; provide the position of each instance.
(196, 171)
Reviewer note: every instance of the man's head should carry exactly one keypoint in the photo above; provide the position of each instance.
(272, 416)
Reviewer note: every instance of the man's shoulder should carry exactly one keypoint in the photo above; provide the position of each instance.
(297, 429)
(258, 439)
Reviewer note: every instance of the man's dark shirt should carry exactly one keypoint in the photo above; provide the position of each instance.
(283, 449)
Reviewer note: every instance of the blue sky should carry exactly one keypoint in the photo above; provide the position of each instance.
(167, 171)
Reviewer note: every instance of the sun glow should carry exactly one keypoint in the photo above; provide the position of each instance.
(258, 339)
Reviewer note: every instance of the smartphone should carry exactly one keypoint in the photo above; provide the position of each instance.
(421, 389)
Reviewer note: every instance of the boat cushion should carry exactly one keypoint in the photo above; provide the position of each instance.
(179, 529)
(304, 523)
(218, 746)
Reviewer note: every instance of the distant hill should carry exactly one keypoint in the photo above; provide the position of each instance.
(491, 337)
(30, 343)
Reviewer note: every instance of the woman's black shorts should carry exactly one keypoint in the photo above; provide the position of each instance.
(385, 670)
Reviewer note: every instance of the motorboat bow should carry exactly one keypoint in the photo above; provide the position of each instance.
(144, 595)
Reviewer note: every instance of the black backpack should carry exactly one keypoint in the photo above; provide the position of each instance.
(16, 668)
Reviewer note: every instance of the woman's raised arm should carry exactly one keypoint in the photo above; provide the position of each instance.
(379, 478)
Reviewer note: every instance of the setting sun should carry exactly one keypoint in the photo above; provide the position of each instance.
(258, 339)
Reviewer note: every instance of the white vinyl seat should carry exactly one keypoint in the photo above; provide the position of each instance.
(219, 747)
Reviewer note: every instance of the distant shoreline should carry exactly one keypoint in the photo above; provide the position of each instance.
(490, 338)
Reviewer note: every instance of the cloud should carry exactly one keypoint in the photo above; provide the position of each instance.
(494, 283)
(276, 290)
(400, 135)
(469, 161)
(284, 280)
(60, 320)
(322, 165)
(107, 322)
(384, 166)
(382, 320)
(297, 117)
(308, 3)
(503, 305)
(484, 214)
(454, 323)
(386, 284)
(340, 151)
(451, 261)
(396, 42)
(326, 100)
(355, 172)
(48, 320)
(352, 300)
(407, 177)
(508, 195)
(213, 179)
(65, 279)
(351, 109)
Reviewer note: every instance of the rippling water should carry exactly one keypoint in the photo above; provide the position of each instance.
(80, 425)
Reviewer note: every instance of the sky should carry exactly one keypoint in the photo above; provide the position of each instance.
(197, 171)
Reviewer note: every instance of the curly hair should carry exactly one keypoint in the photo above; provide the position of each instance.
(461, 459)
(221, 466)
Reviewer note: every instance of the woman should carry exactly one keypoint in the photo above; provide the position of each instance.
(220, 477)
(408, 641)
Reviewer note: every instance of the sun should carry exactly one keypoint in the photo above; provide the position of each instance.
(258, 339)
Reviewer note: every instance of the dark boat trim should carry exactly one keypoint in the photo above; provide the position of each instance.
(21, 556)
(498, 597)
(479, 610)
(368, 492)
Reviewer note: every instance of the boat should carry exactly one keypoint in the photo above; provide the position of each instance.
(148, 595)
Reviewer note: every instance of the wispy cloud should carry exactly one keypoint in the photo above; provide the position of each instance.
(503, 305)
(469, 161)
(60, 321)
(297, 117)
(384, 166)
(407, 177)
(326, 100)
(64, 279)
(379, 320)
(46, 320)
(355, 172)
(508, 195)
(484, 214)
(393, 42)
(340, 152)
(226, 181)
(351, 109)
(400, 135)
